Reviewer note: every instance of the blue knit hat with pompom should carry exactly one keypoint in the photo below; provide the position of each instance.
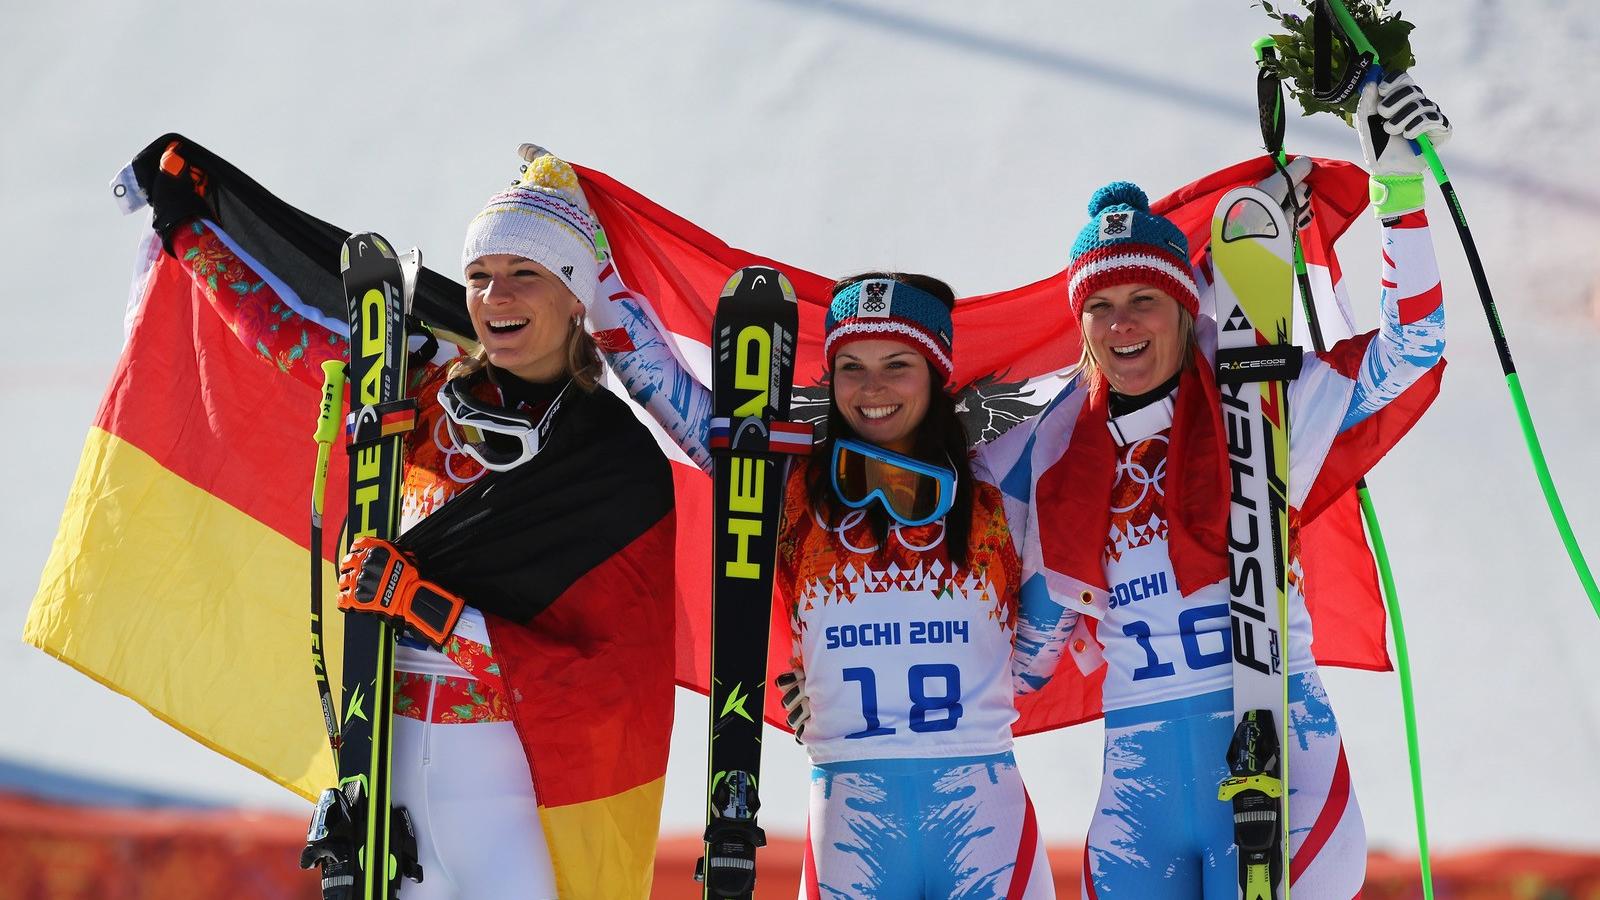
(1125, 243)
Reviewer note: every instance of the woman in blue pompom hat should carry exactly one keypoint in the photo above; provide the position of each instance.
(1128, 488)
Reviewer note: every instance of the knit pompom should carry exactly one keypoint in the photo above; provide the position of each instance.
(1118, 192)
(546, 171)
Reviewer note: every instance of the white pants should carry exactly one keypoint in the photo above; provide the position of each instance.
(471, 799)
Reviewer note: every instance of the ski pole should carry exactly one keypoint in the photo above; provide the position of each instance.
(1423, 146)
(327, 431)
(1269, 96)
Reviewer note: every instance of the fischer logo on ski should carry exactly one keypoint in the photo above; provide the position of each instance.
(1252, 249)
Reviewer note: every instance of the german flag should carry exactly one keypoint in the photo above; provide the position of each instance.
(179, 574)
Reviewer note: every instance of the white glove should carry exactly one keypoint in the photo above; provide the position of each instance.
(1300, 210)
(796, 707)
(1390, 114)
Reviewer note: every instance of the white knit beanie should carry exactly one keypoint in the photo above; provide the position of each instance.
(543, 217)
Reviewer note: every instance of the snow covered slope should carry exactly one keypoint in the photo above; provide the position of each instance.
(911, 135)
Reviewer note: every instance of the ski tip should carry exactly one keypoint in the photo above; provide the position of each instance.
(1247, 213)
(410, 272)
(756, 277)
(356, 246)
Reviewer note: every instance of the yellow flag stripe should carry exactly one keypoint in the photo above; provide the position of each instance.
(605, 848)
(170, 596)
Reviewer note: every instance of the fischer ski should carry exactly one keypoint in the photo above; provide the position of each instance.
(754, 329)
(361, 845)
(1252, 251)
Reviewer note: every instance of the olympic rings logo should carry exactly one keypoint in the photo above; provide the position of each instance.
(447, 446)
(1131, 472)
(856, 517)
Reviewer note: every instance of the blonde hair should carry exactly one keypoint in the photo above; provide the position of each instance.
(582, 359)
(1089, 367)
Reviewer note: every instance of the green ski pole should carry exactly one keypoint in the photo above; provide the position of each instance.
(327, 432)
(1424, 148)
(1269, 96)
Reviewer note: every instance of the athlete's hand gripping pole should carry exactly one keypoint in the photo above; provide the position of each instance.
(1369, 68)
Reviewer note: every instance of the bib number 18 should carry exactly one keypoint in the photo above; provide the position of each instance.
(942, 696)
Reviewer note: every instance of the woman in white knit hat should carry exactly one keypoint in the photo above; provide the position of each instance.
(530, 741)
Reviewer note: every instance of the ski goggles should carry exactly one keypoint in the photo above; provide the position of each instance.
(499, 439)
(913, 492)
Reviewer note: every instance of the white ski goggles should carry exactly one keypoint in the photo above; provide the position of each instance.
(499, 439)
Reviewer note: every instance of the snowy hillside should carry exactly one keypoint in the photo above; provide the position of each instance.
(841, 136)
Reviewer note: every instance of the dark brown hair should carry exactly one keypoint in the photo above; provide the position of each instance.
(939, 438)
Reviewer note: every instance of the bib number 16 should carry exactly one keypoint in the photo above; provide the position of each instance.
(945, 698)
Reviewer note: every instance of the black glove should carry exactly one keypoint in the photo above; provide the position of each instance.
(796, 707)
(177, 195)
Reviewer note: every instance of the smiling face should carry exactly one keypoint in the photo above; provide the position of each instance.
(881, 388)
(522, 314)
(1135, 334)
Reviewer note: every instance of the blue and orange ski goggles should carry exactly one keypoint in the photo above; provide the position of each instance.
(911, 491)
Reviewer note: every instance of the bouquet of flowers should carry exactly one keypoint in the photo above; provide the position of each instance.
(1388, 34)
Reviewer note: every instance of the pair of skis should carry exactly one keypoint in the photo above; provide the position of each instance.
(355, 823)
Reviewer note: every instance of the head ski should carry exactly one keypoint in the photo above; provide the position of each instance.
(754, 333)
(353, 825)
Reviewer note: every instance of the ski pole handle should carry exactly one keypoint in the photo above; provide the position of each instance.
(327, 429)
(1423, 145)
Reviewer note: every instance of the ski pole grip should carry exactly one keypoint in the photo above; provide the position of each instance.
(1352, 30)
(327, 427)
(1423, 145)
(332, 386)
(1269, 98)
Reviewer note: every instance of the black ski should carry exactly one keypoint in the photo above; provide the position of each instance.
(353, 824)
(754, 332)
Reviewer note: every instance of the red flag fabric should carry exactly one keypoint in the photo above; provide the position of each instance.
(679, 268)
